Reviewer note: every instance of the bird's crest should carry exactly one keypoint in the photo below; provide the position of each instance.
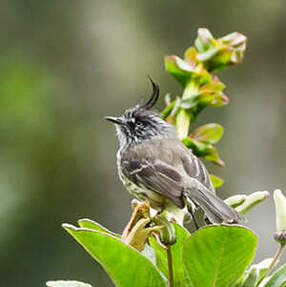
(154, 96)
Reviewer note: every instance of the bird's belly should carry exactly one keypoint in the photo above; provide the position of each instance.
(156, 200)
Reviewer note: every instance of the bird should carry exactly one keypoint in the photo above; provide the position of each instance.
(154, 165)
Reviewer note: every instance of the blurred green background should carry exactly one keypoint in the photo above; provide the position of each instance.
(64, 65)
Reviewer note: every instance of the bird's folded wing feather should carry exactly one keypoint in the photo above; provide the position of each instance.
(163, 169)
(156, 177)
(171, 170)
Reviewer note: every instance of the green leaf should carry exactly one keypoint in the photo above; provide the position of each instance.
(180, 278)
(209, 133)
(190, 102)
(150, 253)
(212, 95)
(168, 110)
(216, 181)
(204, 40)
(208, 55)
(262, 268)
(217, 256)
(125, 265)
(66, 283)
(250, 278)
(214, 87)
(217, 54)
(190, 55)
(278, 279)
(213, 156)
(255, 273)
(88, 223)
(172, 67)
(203, 149)
(197, 147)
(176, 107)
(219, 100)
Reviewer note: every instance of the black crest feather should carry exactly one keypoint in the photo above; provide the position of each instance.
(154, 96)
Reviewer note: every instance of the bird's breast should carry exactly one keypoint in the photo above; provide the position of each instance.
(156, 200)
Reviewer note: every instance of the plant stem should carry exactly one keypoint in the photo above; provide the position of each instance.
(273, 263)
(170, 267)
(276, 257)
(183, 119)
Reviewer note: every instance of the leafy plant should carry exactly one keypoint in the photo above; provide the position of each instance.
(153, 251)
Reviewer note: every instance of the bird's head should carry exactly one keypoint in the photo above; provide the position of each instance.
(139, 123)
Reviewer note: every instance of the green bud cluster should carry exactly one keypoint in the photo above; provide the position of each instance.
(202, 88)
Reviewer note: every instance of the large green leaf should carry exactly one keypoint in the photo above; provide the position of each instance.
(216, 256)
(67, 283)
(125, 265)
(88, 223)
(180, 278)
(278, 279)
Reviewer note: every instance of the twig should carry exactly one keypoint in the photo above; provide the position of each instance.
(273, 263)
(170, 267)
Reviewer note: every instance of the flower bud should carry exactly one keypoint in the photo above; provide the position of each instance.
(204, 40)
(252, 200)
(280, 237)
(216, 54)
(235, 200)
(280, 205)
(167, 234)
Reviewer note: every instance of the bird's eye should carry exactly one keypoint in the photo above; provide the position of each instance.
(139, 124)
(135, 124)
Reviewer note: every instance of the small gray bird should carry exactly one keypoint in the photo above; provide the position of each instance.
(154, 165)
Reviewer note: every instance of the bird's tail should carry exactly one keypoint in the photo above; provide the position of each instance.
(215, 209)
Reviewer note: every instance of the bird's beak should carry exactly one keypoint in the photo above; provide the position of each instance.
(116, 120)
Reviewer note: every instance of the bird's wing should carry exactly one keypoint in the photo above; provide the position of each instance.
(156, 177)
(170, 169)
(162, 167)
(195, 169)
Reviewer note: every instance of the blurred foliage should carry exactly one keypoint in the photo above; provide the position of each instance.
(68, 56)
(202, 89)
